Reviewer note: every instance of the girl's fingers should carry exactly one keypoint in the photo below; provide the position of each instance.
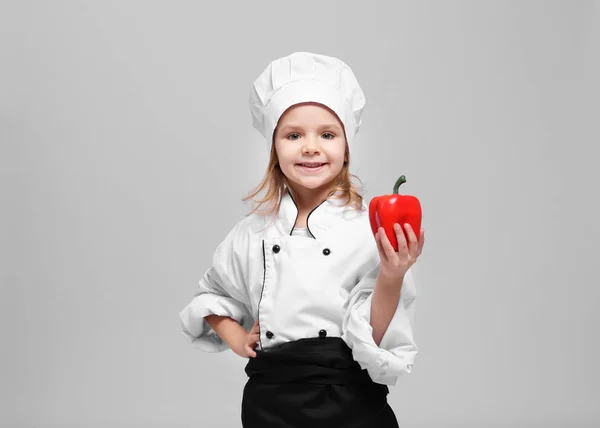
(253, 343)
(402, 244)
(387, 245)
(412, 239)
(378, 240)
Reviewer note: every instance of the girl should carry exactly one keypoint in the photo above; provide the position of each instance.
(322, 310)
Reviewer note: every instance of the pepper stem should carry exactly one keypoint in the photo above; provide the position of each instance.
(401, 180)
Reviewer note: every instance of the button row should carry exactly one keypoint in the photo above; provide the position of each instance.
(270, 335)
(277, 248)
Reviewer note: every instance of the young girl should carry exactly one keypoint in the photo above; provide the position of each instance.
(322, 310)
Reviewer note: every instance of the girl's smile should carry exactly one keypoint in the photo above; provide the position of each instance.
(311, 169)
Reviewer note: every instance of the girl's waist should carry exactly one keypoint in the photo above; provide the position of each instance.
(321, 360)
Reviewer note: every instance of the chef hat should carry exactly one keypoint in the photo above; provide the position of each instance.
(303, 77)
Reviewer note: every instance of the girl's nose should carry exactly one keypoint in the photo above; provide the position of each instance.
(310, 145)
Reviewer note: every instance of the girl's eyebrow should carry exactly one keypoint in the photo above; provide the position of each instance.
(324, 126)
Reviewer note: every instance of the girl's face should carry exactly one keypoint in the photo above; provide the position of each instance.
(310, 133)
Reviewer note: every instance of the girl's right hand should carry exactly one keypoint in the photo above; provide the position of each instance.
(248, 342)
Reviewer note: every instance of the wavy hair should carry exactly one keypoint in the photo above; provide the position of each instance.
(275, 182)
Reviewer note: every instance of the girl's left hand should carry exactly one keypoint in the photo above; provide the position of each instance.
(395, 264)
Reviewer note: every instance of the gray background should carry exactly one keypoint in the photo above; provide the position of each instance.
(127, 145)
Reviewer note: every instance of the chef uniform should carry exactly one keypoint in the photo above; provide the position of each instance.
(317, 364)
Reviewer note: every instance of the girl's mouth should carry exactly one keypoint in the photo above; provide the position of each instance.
(311, 167)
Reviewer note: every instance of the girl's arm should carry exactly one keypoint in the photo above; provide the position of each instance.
(384, 303)
(392, 269)
(221, 291)
(230, 331)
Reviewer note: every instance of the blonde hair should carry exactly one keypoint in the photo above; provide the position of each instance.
(275, 183)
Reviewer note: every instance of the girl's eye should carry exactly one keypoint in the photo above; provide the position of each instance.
(327, 135)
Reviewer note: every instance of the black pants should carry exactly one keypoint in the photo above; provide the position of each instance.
(313, 383)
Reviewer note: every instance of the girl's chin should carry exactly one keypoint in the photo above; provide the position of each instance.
(312, 183)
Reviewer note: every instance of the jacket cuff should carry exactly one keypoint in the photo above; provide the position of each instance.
(198, 332)
(396, 353)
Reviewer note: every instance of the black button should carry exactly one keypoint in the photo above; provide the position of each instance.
(270, 335)
(322, 333)
(276, 248)
(326, 251)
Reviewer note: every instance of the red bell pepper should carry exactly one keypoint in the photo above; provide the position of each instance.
(386, 210)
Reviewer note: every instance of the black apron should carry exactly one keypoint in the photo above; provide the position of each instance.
(312, 383)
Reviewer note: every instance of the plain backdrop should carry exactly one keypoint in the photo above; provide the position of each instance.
(127, 147)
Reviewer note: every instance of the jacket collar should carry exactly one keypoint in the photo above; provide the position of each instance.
(321, 219)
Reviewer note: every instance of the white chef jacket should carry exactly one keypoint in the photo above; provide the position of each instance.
(298, 286)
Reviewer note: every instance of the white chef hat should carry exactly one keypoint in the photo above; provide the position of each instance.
(303, 77)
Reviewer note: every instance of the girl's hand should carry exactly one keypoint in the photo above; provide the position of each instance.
(247, 342)
(395, 264)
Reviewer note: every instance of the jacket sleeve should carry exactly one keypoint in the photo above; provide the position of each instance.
(396, 353)
(221, 291)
